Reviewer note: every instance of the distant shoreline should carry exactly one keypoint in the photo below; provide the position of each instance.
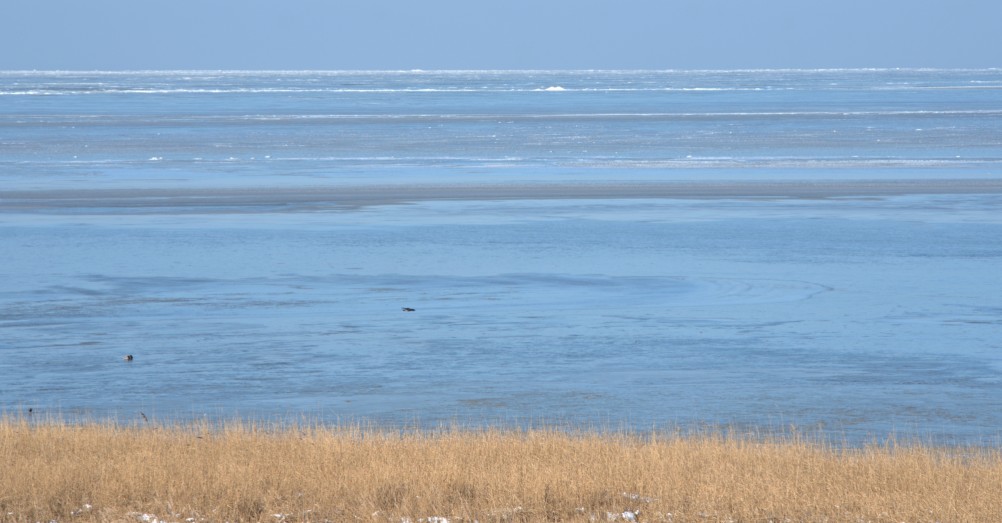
(334, 197)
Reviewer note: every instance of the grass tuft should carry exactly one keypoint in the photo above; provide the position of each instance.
(56, 471)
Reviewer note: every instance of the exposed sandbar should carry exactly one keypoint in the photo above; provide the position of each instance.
(333, 197)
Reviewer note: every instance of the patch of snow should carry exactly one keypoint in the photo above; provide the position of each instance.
(627, 515)
(637, 497)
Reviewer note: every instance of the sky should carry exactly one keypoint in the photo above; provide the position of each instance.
(498, 34)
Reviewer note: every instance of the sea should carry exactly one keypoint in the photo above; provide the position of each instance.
(126, 229)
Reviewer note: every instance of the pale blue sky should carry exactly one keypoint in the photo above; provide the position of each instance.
(494, 34)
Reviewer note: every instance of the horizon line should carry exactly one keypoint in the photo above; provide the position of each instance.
(458, 71)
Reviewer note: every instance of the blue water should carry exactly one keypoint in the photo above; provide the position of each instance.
(860, 317)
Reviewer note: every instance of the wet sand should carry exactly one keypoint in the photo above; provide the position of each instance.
(334, 197)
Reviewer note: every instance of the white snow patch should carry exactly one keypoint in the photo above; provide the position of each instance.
(627, 515)
(637, 497)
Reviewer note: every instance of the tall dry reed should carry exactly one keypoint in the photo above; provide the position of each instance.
(108, 472)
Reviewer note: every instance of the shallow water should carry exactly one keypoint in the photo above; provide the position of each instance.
(605, 313)
(857, 316)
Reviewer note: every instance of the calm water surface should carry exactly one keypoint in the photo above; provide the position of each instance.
(861, 317)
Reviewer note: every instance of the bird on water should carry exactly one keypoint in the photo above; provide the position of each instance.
(407, 309)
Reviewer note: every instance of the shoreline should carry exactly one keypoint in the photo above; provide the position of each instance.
(340, 197)
(243, 473)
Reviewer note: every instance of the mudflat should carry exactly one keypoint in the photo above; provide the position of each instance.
(221, 199)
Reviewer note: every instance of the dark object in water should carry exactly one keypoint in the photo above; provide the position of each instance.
(128, 357)
(407, 309)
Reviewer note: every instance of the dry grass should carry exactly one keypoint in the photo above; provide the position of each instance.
(103, 472)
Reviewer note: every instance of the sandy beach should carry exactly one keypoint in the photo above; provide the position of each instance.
(333, 197)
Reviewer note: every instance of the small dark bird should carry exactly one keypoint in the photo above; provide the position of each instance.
(128, 357)
(407, 309)
(144, 417)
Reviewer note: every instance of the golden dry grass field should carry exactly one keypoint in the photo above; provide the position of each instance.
(56, 471)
